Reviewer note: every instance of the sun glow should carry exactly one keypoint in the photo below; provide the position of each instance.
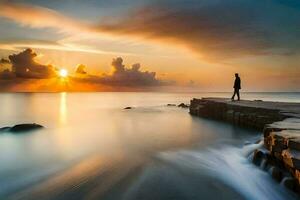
(63, 73)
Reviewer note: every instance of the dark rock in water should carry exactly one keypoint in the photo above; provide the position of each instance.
(22, 128)
(182, 105)
(276, 173)
(170, 104)
(25, 127)
(289, 182)
(128, 108)
(258, 156)
(7, 128)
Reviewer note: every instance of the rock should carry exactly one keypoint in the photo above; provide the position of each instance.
(22, 128)
(25, 127)
(236, 118)
(294, 143)
(289, 182)
(285, 146)
(128, 108)
(291, 158)
(278, 141)
(289, 123)
(297, 177)
(258, 156)
(229, 115)
(196, 110)
(6, 128)
(276, 173)
(182, 105)
(171, 104)
(280, 123)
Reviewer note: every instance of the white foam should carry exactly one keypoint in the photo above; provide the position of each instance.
(230, 164)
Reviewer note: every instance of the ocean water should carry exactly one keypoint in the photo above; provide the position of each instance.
(91, 148)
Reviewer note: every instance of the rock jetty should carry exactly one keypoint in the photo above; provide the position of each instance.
(279, 123)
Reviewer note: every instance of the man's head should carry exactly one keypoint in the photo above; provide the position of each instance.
(236, 75)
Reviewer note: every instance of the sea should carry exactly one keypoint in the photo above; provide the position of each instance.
(92, 148)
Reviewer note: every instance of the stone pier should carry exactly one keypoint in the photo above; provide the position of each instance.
(280, 126)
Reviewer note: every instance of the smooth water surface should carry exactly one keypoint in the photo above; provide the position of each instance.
(91, 148)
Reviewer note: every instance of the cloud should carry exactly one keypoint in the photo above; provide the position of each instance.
(7, 74)
(133, 76)
(124, 77)
(26, 74)
(81, 69)
(23, 65)
(4, 61)
(213, 29)
(40, 17)
(16, 45)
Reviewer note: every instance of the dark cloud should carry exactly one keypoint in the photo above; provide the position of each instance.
(129, 76)
(81, 69)
(25, 66)
(4, 61)
(25, 74)
(125, 77)
(7, 74)
(216, 29)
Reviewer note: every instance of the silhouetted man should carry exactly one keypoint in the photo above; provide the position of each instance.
(237, 87)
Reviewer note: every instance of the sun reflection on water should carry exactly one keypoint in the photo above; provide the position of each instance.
(63, 108)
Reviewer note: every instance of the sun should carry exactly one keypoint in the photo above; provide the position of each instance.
(63, 73)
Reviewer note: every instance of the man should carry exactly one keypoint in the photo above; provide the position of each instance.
(237, 87)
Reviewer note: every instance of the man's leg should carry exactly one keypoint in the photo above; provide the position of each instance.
(238, 94)
(232, 98)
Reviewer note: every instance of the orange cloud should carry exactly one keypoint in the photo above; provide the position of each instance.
(194, 26)
(40, 17)
(133, 76)
(81, 69)
(25, 74)
(214, 30)
(23, 65)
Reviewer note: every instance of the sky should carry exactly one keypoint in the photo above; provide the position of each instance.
(138, 45)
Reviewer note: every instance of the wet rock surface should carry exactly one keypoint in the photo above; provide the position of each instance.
(289, 182)
(21, 128)
(182, 105)
(280, 124)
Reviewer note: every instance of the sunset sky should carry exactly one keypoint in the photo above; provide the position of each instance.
(136, 45)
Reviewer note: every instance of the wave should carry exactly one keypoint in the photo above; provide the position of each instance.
(230, 165)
